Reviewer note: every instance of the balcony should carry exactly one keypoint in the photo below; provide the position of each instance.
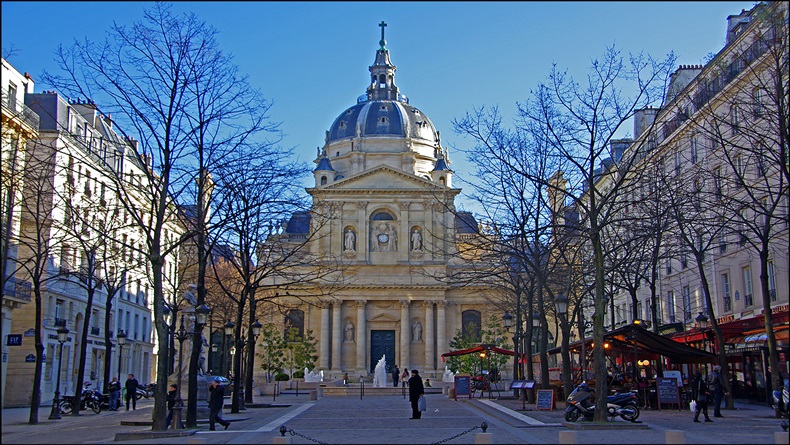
(18, 290)
(20, 111)
(60, 321)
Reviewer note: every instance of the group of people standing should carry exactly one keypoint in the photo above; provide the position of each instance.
(705, 391)
(114, 388)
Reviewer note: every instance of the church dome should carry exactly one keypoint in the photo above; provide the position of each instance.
(382, 110)
(383, 117)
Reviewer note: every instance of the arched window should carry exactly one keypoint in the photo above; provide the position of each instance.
(470, 325)
(294, 319)
(323, 180)
(382, 216)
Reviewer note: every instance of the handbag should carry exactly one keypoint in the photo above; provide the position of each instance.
(693, 406)
(702, 398)
(421, 405)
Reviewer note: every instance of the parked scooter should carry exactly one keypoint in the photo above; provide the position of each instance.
(146, 391)
(580, 404)
(89, 399)
(781, 403)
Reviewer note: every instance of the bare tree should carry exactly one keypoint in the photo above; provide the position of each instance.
(580, 121)
(167, 81)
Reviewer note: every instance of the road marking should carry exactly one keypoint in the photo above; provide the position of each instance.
(512, 413)
(281, 420)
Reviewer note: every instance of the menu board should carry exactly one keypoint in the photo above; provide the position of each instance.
(463, 385)
(667, 390)
(545, 399)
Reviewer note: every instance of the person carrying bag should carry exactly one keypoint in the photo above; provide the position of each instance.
(700, 394)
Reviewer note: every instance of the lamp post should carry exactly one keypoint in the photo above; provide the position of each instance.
(228, 333)
(214, 349)
(561, 306)
(121, 342)
(201, 314)
(702, 324)
(256, 331)
(63, 333)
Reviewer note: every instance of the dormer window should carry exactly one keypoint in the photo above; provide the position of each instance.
(383, 108)
(342, 125)
(323, 180)
(383, 120)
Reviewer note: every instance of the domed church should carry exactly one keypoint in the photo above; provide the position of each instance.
(383, 214)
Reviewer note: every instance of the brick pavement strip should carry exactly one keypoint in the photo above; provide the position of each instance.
(384, 420)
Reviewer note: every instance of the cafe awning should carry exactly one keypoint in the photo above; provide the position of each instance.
(623, 339)
(478, 349)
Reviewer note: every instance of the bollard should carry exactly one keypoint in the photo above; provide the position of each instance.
(781, 437)
(451, 393)
(176, 421)
(675, 437)
(444, 390)
(569, 437)
(313, 395)
(486, 438)
(320, 392)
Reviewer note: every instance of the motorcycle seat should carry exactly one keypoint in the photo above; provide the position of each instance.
(619, 397)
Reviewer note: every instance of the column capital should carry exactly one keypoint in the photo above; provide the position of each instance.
(428, 303)
(441, 304)
(362, 205)
(338, 302)
(403, 205)
(360, 303)
(405, 304)
(324, 304)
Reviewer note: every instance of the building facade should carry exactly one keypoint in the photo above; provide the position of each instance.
(19, 125)
(383, 212)
(714, 155)
(77, 169)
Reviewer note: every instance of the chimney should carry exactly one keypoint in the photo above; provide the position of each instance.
(643, 119)
(108, 120)
(733, 21)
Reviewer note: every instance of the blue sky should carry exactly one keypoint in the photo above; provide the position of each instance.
(311, 58)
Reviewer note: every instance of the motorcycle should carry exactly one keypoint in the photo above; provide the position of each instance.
(781, 403)
(580, 403)
(146, 391)
(89, 399)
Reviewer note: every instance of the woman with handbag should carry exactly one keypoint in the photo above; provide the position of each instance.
(700, 394)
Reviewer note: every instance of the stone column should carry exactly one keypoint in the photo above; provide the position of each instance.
(337, 336)
(361, 337)
(428, 337)
(405, 333)
(323, 354)
(441, 329)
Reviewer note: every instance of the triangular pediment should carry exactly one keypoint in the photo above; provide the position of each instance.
(385, 317)
(381, 178)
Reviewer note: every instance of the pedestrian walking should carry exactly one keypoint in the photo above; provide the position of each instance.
(115, 394)
(131, 391)
(404, 378)
(416, 390)
(701, 395)
(717, 387)
(215, 404)
(395, 376)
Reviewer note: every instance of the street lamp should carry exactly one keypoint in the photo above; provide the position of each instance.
(702, 323)
(201, 316)
(256, 331)
(121, 342)
(561, 306)
(63, 333)
(212, 357)
(228, 333)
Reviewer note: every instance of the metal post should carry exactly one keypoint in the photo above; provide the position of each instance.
(182, 335)
(55, 414)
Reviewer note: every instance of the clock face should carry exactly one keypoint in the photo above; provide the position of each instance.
(383, 238)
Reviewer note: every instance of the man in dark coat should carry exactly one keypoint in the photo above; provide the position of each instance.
(395, 376)
(131, 391)
(215, 404)
(717, 386)
(416, 390)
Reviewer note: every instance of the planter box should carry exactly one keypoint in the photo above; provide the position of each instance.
(270, 388)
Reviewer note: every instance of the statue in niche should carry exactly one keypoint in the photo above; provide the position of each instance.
(350, 240)
(392, 241)
(416, 332)
(416, 240)
(349, 332)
